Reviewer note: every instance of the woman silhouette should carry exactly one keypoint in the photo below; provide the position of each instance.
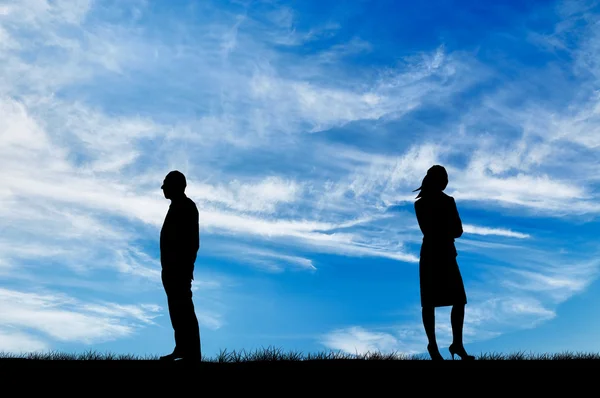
(440, 279)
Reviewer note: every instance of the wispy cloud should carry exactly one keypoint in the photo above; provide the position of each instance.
(63, 318)
(273, 259)
(357, 340)
(17, 342)
(477, 230)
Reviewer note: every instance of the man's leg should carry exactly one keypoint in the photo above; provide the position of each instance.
(183, 317)
(171, 290)
(191, 330)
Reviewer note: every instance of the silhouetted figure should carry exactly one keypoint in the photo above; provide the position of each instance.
(179, 244)
(440, 279)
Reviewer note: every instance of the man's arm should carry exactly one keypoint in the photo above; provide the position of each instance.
(183, 236)
(189, 237)
(194, 232)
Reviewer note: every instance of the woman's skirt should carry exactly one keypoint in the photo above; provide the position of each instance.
(440, 279)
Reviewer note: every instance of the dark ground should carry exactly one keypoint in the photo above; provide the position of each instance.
(343, 378)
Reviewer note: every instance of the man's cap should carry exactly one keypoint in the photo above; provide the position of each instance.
(176, 178)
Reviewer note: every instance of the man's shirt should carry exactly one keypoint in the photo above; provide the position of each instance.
(180, 237)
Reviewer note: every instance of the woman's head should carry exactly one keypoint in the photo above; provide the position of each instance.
(436, 180)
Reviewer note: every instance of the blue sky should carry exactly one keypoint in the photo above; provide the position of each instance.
(302, 128)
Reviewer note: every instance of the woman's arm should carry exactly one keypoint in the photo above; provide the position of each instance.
(456, 223)
(421, 218)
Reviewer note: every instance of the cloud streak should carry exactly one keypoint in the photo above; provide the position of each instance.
(476, 230)
(63, 318)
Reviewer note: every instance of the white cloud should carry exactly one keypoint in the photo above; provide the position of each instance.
(64, 318)
(338, 51)
(484, 319)
(356, 340)
(38, 13)
(260, 197)
(284, 30)
(13, 342)
(477, 230)
(269, 260)
(211, 321)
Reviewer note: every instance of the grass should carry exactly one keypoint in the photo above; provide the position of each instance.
(273, 354)
(276, 370)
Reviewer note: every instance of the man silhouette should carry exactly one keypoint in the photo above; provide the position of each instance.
(179, 244)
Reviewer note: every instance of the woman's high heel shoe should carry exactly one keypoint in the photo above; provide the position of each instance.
(434, 353)
(460, 351)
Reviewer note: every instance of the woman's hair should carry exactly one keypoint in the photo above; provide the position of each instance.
(434, 181)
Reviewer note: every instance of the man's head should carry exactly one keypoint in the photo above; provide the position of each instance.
(174, 185)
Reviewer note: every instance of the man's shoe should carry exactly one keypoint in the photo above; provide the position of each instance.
(171, 357)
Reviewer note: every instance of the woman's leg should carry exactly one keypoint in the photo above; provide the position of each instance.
(428, 314)
(429, 324)
(457, 319)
